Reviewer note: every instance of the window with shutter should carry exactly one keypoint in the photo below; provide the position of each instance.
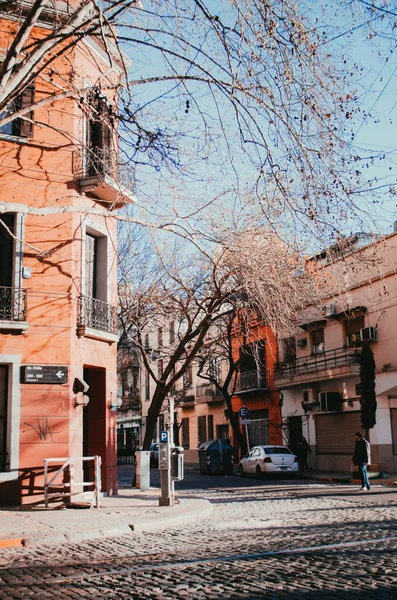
(353, 327)
(20, 127)
(210, 426)
(318, 341)
(185, 434)
(99, 137)
(202, 429)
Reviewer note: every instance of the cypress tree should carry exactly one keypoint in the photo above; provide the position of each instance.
(368, 395)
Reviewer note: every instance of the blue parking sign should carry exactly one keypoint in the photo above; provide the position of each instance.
(164, 437)
(244, 412)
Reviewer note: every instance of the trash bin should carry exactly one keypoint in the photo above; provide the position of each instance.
(216, 457)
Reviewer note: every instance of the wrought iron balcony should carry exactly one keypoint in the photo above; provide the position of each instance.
(187, 400)
(312, 367)
(13, 305)
(251, 381)
(96, 316)
(208, 392)
(97, 171)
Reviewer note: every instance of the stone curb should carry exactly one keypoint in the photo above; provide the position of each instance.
(202, 509)
(187, 512)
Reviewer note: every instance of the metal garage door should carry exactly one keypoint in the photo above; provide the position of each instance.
(335, 432)
(393, 416)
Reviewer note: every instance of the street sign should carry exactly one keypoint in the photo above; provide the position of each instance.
(244, 412)
(245, 421)
(44, 374)
(164, 437)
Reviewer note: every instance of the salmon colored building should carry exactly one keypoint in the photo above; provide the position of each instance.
(58, 318)
(257, 351)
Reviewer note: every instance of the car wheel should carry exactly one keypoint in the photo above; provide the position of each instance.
(241, 471)
(258, 472)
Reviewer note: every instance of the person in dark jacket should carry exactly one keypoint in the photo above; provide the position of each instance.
(302, 452)
(361, 458)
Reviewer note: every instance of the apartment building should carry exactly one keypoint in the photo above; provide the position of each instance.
(200, 409)
(319, 375)
(58, 316)
(256, 349)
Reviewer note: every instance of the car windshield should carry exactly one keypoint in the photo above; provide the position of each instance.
(277, 450)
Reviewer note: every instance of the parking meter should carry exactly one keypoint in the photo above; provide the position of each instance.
(177, 459)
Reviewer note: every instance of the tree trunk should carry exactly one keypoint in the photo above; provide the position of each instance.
(234, 422)
(152, 415)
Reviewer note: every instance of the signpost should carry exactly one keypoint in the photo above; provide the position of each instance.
(166, 442)
(244, 413)
(44, 374)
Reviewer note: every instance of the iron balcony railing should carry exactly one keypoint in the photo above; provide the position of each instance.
(340, 357)
(95, 162)
(252, 380)
(208, 392)
(97, 314)
(13, 304)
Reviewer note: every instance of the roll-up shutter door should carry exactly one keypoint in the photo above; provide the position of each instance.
(335, 432)
(393, 416)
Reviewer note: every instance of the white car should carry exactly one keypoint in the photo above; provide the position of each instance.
(268, 459)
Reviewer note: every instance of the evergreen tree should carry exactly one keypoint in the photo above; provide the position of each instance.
(368, 395)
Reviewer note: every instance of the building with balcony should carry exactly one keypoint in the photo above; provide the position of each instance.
(256, 349)
(58, 292)
(318, 376)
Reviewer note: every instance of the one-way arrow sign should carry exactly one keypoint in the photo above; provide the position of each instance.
(44, 374)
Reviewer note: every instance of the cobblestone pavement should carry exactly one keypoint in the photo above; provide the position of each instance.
(273, 540)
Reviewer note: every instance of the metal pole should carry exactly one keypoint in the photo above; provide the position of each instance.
(98, 485)
(45, 483)
(172, 445)
(246, 435)
(166, 496)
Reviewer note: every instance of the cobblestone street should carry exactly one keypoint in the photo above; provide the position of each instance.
(266, 539)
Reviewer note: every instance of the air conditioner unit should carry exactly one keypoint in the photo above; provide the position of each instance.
(368, 334)
(329, 310)
(302, 343)
(330, 401)
(309, 395)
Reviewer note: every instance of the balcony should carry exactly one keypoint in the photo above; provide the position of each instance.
(209, 393)
(187, 401)
(251, 381)
(97, 172)
(97, 320)
(333, 364)
(13, 309)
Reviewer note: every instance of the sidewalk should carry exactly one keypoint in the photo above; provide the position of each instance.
(389, 480)
(130, 510)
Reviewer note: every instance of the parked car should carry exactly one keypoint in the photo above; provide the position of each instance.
(154, 454)
(268, 459)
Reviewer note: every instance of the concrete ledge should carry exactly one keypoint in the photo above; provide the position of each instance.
(195, 510)
(66, 526)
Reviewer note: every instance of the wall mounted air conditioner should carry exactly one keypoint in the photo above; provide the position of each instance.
(309, 395)
(302, 343)
(330, 401)
(329, 310)
(368, 334)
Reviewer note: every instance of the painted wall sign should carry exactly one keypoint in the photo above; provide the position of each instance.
(44, 374)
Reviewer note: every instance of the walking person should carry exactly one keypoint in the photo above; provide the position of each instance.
(361, 458)
(302, 453)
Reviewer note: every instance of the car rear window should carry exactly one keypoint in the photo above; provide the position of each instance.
(277, 450)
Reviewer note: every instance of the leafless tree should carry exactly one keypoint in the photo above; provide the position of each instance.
(199, 293)
(219, 365)
(244, 99)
